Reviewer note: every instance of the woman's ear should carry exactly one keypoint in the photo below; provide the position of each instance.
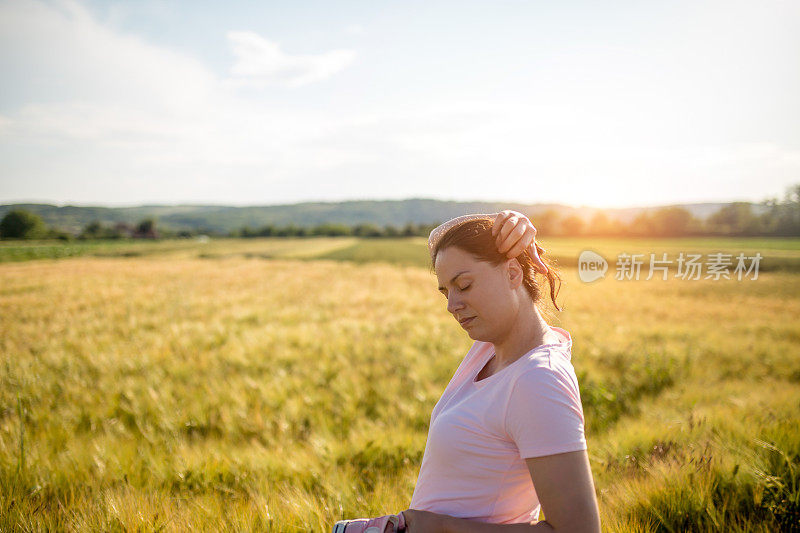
(515, 273)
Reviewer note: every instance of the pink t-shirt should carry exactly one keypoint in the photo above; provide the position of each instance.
(481, 432)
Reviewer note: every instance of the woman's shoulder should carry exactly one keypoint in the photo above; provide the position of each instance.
(549, 368)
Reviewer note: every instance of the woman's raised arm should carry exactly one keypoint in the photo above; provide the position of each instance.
(514, 233)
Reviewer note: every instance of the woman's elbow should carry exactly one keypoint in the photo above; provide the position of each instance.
(582, 520)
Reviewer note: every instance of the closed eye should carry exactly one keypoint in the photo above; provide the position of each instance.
(462, 289)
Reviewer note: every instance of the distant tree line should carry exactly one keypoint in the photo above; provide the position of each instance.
(778, 217)
(735, 219)
(336, 230)
(22, 224)
(145, 229)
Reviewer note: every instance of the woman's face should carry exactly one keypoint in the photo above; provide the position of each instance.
(480, 296)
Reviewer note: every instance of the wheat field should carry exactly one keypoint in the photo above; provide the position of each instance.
(280, 385)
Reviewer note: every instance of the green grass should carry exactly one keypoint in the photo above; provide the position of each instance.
(413, 252)
(778, 253)
(12, 251)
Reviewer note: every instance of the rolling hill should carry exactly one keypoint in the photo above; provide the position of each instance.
(223, 219)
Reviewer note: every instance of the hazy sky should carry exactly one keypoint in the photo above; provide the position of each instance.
(584, 103)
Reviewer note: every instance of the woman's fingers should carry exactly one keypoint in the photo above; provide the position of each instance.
(510, 227)
(517, 247)
(515, 233)
(512, 232)
(504, 224)
(499, 220)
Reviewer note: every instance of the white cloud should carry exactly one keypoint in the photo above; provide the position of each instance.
(260, 63)
(354, 29)
(5, 124)
(107, 89)
(62, 52)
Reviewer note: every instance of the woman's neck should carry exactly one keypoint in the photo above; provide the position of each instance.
(529, 331)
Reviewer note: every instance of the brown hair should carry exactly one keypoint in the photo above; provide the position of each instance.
(475, 237)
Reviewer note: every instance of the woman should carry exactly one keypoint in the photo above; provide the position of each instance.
(506, 438)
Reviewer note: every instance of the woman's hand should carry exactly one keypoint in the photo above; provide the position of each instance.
(423, 521)
(515, 233)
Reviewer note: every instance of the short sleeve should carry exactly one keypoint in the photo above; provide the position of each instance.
(544, 414)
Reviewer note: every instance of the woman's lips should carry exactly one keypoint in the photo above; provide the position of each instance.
(467, 322)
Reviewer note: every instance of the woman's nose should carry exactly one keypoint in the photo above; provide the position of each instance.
(454, 303)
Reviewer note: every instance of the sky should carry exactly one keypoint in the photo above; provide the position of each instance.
(604, 104)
